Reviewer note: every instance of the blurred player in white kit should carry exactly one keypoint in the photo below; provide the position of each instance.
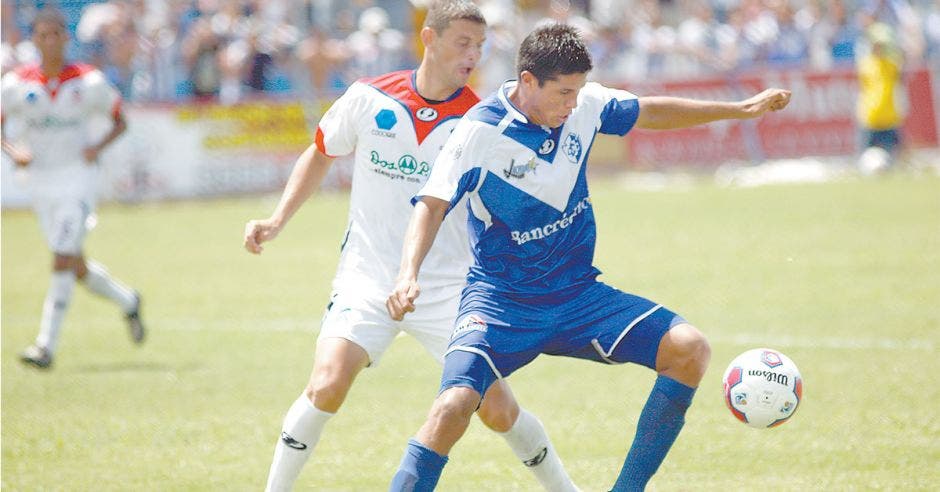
(48, 109)
(395, 124)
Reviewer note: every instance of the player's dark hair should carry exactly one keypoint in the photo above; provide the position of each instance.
(553, 50)
(48, 15)
(443, 12)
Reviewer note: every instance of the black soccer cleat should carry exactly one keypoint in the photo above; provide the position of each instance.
(36, 356)
(134, 324)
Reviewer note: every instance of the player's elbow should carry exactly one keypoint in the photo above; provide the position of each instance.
(434, 208)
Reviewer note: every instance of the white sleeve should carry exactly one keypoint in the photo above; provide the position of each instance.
(103, 98)
(10, 95)
(458, 167)
(338, 129)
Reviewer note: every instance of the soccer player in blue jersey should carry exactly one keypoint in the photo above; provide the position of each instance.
(395, 125)
(519, 158)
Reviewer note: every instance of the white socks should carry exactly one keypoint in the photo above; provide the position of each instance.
(98, 281)
(299, 435)
(304, 423)
(54, 308)
(530, 442)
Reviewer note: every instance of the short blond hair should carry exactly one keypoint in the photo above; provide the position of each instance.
(443, 12)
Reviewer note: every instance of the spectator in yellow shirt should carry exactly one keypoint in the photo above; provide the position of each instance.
(879, 75)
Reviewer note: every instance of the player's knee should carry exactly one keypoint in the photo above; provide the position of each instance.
(327, 392)
(455, 406)
(61, 262)
(500, 418)
(499, 410)
(684, 352)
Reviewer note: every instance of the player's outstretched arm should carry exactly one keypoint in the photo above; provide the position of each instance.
(666, 113)
(422, 229)
(308, 173)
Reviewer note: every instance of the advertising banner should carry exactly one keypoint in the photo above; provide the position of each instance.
(820, 120)
(198, 150)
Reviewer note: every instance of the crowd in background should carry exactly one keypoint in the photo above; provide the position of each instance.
(233, 50)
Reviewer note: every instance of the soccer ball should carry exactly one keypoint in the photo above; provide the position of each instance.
(762, 388)
(874, 160)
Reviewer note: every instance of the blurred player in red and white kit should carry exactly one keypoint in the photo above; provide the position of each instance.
(48, 111)
(395, 124)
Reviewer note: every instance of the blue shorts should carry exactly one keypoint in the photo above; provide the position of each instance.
(886, 139)
(494, 335)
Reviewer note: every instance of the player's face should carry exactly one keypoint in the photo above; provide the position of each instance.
(552, 103)
(457, 50)
(50, 39)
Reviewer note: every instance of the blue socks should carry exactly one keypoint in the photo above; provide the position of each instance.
(658, 427)
(420, 469)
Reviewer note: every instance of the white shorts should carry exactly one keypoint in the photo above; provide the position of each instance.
(365, 322)
(64, 223)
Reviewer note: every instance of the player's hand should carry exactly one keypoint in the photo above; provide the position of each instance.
(769, 100)
(402, 299)
(259, 231)
(21, 157)
(91, 154)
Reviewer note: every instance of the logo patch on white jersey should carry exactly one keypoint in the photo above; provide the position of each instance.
(547, 147)
(518, 171)
(426, 114)
(572, 148)
(385, 119)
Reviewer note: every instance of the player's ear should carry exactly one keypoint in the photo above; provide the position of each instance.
(528, 79)
(427, 36)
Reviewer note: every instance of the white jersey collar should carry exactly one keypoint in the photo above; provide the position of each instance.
(511, 110)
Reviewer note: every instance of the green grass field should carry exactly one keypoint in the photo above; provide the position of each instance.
(843, 277)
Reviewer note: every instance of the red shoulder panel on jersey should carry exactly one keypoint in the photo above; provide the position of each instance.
(33, 72)
(425, 116)
(321, 146)
(30, 72)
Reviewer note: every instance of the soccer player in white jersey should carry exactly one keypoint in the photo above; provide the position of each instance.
(49, 109)
(518, 159)
(396, 124)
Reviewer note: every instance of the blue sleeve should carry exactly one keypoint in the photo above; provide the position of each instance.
(619, 115)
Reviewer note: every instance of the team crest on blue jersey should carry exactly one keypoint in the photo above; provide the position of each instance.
(547, 147)
(385, 119)
(426, 114)
(572, 148)
(468, 324)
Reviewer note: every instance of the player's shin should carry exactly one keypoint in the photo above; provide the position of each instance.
(659, 425)
(53, 309)
(299, 435)
(420, 469)
(531, 444)
(100, 282)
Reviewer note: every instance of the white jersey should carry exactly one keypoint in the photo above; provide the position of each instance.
(55, 119)
(531, 218)
(396, 135)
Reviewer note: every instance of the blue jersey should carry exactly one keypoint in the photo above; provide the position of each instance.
(530, 218)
